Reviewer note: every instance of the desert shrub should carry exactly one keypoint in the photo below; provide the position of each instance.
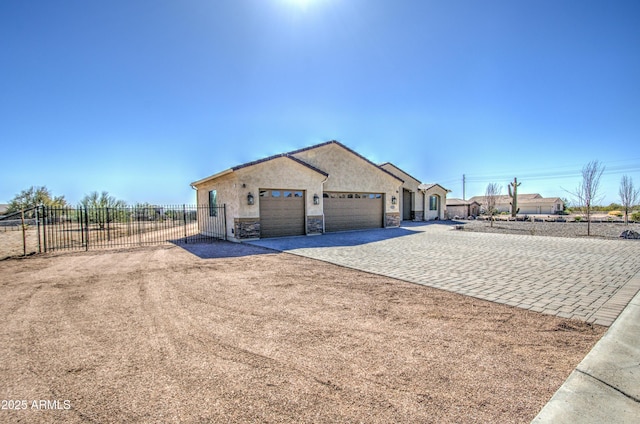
(619, 214)
(635, 216)
(578, 218)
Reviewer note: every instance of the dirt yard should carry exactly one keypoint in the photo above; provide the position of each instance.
(12, 244)
(232, 333)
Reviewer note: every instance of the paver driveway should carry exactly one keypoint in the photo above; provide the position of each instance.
(587, 279)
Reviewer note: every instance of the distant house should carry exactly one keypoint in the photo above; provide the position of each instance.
(528, 204)
(462, 208)
(323, 188)
(3, 209)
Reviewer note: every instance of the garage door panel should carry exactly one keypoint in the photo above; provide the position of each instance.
(281, 213)
(352, 211)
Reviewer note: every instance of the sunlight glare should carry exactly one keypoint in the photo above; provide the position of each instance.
(300, 3)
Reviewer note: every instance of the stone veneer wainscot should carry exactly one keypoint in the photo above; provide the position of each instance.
(392, 219)
(314, 224)
(246, 228)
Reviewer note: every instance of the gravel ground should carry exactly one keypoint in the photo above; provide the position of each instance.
(233, 333)
(552, 229)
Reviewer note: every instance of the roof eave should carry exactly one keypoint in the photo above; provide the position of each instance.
(212, 177)
(426, 187)
(401, 170)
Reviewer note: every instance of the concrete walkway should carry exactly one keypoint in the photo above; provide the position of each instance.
(586, 279)
(593, 280)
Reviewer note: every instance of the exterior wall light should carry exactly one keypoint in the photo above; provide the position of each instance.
(394, 200)
(250, 199)
(316, 199)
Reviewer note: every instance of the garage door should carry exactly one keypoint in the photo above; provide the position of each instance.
(281, 213)
(352, 211)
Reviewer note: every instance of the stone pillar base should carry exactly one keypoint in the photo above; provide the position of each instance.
(392, 219)
(314, 224)
(246, 228)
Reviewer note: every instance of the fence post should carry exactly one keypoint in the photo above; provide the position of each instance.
(44, 227)
(137, 217)
(86, 222)
(80, 219)
(224, 210)
(24, 233)
(184, 218)
(108, 228)
(38, 228)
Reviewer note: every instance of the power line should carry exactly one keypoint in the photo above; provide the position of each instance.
(549, 175)
(564, 169)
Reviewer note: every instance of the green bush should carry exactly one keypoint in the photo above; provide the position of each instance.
(635, 216)
(578, 218)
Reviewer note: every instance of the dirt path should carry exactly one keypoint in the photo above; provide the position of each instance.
(159, 334)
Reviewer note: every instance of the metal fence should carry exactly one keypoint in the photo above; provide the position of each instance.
(94, 228)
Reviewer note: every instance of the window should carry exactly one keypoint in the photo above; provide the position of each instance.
(297, 194)
(287, 194)
(433, 203)
(213, 203)
(275, 193)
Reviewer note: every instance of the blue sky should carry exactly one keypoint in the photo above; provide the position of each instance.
(142, 97)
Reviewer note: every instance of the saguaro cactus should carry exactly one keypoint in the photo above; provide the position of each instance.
(514, 195)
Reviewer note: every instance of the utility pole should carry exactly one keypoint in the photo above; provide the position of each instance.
(464, 182)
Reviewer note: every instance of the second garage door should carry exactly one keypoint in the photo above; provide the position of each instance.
(352, 211)
(281, 213)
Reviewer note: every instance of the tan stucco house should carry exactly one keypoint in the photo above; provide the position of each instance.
(528, 204)
(416, 198)
(462, 208)
(323, 188)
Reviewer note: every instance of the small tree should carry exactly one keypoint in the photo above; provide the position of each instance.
(491, 198)
(566, 208)
(32, 197)
(628, 196)
(97, 206)
(587, 192)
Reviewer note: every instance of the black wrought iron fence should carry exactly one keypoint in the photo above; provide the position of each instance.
(15, 237)
(93, 228)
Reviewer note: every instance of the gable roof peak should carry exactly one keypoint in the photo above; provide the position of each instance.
(353, 152)
(382, 165)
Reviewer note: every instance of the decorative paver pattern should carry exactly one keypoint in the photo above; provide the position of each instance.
(582, 278)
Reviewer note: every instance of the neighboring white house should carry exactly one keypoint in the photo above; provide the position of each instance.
(528, 204)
